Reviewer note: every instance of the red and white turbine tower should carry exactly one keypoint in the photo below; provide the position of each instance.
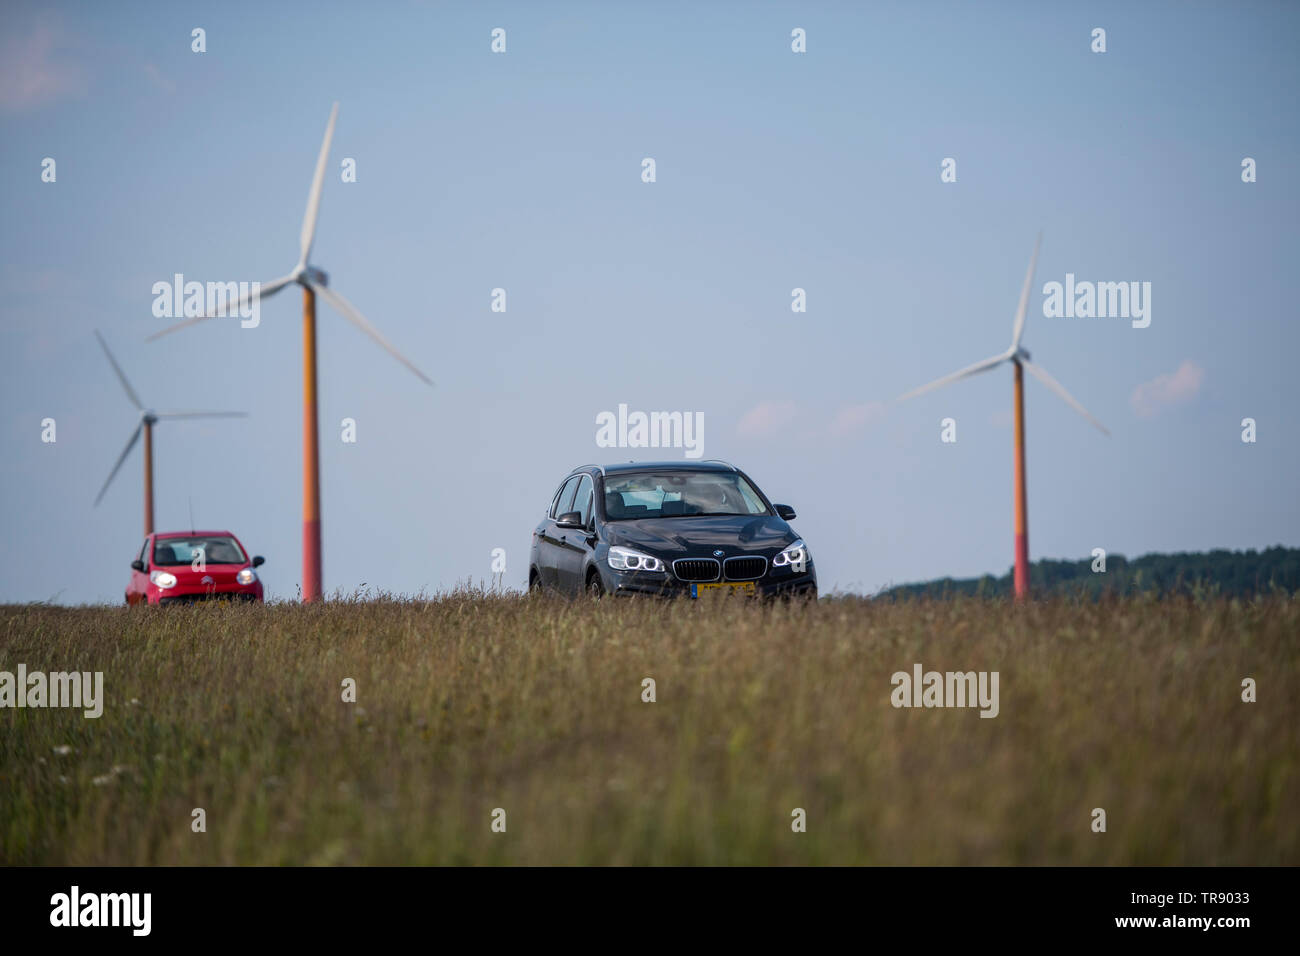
(1019, 358)
(314, 283)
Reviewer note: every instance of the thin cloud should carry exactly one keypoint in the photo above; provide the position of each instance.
(36, 69)
(1165, 391)
(766, 417)
(851, 418)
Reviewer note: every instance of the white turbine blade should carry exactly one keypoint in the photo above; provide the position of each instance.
(231, 309)
(1043, 376)
(135, 437)
(981, 366)
(350, 313)
(189, 414)
(121, 376)
(1019, 328)
(313, 197)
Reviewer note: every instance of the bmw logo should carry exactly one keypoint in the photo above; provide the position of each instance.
(207, 579)
(718, 554)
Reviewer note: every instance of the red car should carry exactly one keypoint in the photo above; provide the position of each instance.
(176, 567)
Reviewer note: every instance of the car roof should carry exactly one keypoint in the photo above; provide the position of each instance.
(634, 466)
(192, 534)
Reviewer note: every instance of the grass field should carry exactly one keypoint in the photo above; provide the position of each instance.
(473, 702)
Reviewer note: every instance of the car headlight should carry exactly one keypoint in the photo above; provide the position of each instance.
(625, 559)
(164, 579)
(246, 576)
(795, 556)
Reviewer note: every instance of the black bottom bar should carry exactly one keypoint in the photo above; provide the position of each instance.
(238, 905)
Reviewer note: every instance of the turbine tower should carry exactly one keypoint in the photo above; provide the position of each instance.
(148, 418)
(1019, 358)
(314, 283)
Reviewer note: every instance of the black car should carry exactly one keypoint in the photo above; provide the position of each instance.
(668, 528)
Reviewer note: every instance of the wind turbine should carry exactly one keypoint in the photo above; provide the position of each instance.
(148, 418)
(1019, 358)
(313, 282)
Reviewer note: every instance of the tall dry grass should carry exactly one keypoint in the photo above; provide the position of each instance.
(473, 702)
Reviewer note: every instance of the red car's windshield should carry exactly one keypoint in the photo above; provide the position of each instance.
(215, 550)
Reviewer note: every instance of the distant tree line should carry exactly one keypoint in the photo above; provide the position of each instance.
(1241, 574)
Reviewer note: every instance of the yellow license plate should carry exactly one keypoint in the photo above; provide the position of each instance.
(724, 587)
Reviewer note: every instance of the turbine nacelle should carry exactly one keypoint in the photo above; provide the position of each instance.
(306, 275)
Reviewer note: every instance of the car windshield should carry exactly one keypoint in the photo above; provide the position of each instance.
(673, 494)
(216, 549)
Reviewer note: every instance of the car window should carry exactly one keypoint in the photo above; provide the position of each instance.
(565, 501)
(752, 501)
(670, 494)
(559, 496)
(215, 550)
(582, 500)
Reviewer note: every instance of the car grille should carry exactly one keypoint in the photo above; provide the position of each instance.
(744, 569)
(696, 569)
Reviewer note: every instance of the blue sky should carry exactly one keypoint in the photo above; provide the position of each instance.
(775, 170)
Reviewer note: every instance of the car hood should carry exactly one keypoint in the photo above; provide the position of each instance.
(687, 535)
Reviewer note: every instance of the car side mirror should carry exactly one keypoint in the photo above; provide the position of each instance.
(137, 564)
(570, 519)
(785, 512)
(258, 560)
